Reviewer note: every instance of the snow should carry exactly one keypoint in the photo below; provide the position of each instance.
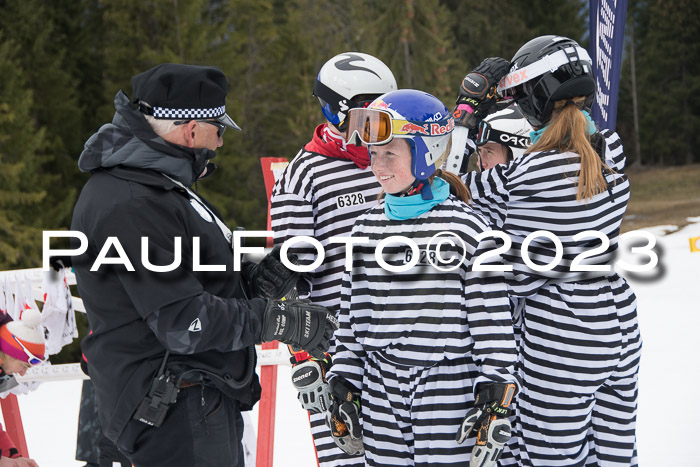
(669, 317)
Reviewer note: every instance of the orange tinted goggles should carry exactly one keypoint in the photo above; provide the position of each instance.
(372, 126)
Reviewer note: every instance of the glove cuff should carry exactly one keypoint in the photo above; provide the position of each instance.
(502, 393)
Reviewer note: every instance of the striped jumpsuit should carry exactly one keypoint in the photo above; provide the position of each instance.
(320, 197)
(580, 349)
(417, 342)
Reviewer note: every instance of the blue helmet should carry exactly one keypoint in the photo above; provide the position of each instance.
(419, 118)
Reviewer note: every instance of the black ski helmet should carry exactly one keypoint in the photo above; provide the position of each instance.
(562, 70)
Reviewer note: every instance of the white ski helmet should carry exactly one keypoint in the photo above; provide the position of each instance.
(507, 127)
(347, 76)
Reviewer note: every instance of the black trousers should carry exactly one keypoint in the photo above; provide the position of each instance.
(203, 429)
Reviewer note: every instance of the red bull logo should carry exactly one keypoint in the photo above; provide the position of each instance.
(379, 105)
(437, 129)
(413, 128)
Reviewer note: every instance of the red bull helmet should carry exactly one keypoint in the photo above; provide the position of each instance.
(413, 115)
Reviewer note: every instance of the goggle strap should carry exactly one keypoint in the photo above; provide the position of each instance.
(331, 97)
(513, 140)
(547, 64)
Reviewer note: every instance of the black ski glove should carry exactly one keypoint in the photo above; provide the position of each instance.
(299, 323)
(488, 420)
(270, 278)
(343, 418)
(477, 93)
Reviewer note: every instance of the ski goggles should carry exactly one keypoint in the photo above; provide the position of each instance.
(507, 87)
(487, 134)
(31, 358)
(376, 126)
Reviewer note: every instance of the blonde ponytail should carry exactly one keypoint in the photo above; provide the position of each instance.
(568, 132)
(457, 188)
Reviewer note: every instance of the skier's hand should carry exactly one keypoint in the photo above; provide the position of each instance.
(343, 418)
(300, 324)
(270, 278)
(477, 93)
(309, 378)
(487, 419)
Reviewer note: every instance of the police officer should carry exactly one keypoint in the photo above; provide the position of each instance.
(173, 325)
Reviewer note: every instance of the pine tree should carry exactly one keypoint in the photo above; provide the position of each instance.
(668, 74)
(37, 28)
(486, 29)
(21, 143)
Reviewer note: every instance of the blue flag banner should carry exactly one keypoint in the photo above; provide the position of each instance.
(607, 32)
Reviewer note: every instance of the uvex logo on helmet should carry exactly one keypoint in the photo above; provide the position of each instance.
(513, 78)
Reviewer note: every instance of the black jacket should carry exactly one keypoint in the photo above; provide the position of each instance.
(202, 318)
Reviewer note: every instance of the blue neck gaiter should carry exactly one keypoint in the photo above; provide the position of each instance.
(400, 208)
(535, 135)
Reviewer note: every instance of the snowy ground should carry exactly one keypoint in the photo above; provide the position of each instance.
(669, 417)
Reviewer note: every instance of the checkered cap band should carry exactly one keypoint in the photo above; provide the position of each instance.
(188, 114)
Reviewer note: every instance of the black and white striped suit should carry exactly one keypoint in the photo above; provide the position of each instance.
(320, 197)
(417, 342)
(580, 339)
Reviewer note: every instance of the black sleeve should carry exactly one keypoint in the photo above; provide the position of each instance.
(184, 317)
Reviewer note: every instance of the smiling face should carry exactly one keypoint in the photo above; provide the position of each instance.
(391, 164)
(492, 154)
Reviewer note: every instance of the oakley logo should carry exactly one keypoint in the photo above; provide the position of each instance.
(346, 64)
(522, 142)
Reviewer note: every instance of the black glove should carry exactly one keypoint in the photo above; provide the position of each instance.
(477, 94)
(343, 418)
(299, 323)
(270, 278)
(488, 420)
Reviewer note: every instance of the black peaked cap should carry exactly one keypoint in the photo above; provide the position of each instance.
(183, 92)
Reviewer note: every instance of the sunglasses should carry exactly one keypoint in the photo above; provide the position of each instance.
(32, 359)
(220, 126)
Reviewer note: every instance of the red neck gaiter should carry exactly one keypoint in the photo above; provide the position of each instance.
(329, 144)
